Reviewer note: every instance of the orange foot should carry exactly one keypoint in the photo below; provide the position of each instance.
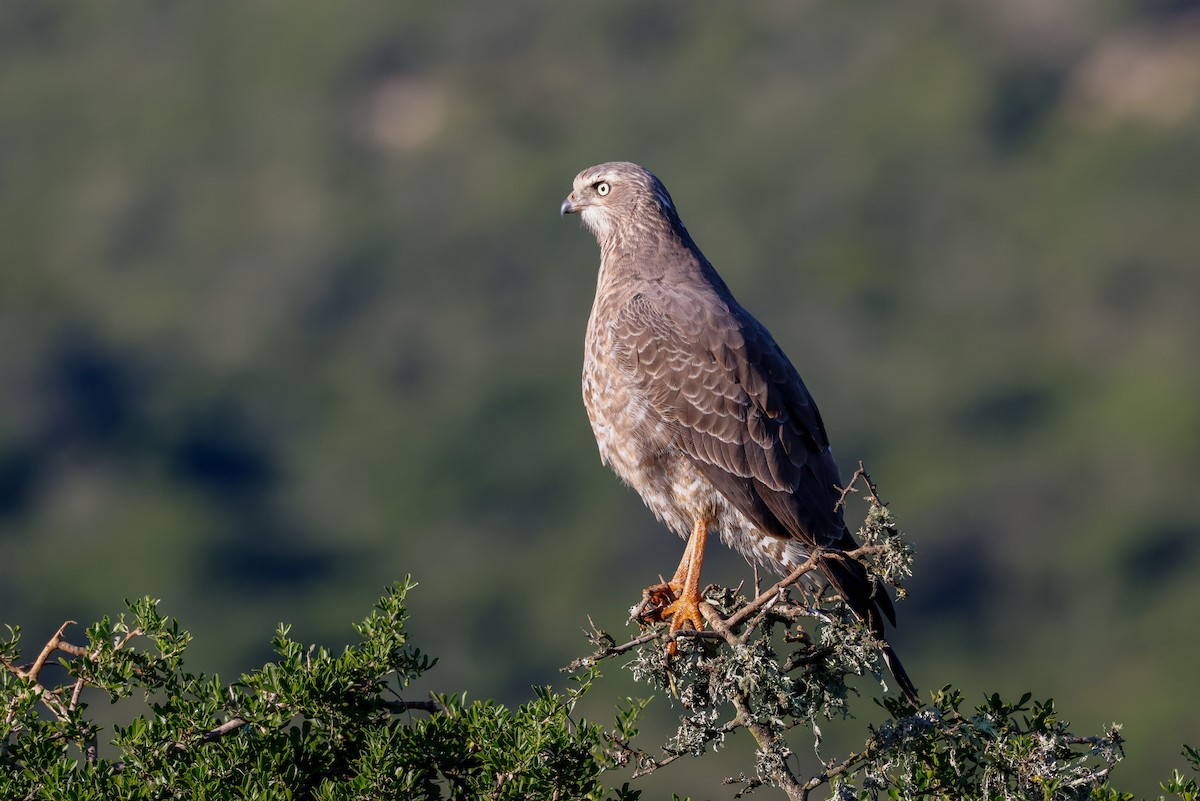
(655, 600)
(685, 609)
(674, 602)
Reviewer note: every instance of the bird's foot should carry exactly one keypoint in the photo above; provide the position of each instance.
(669, 601)
(656, 599)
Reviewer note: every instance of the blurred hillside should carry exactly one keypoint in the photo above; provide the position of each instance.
(287, 311)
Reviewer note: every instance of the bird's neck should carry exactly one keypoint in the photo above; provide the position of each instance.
(649, 253)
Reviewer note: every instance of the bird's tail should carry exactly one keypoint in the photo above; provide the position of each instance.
(871, 604)
(900, 674)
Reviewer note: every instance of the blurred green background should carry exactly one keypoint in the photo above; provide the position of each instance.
(287, 311)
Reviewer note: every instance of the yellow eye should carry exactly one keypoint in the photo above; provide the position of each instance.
(603, 188)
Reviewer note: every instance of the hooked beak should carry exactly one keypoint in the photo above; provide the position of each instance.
(569, 206)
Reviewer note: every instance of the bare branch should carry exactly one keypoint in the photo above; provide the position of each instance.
(608, 651)
(862, 473)
(231, 725)
(51, 646)
(49, 698)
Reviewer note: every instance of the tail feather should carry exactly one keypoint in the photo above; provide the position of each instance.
(871, 604)
(900, 674)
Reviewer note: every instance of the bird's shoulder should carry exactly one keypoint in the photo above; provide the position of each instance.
(679, 314)
(663, 334)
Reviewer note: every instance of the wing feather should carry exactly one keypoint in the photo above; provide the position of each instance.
(738, 404)
(741, 413)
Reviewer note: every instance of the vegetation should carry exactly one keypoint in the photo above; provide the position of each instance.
(317, 725)
(310, 725)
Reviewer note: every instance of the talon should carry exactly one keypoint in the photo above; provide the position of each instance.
(682, 611)
(656, 600)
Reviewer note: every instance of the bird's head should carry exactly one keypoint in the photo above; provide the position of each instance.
(618, 197)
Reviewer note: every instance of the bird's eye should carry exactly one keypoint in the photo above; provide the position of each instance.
(603, 188)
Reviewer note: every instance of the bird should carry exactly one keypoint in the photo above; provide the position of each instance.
(696, 407)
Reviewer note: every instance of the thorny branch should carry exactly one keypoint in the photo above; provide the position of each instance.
(872, 488)
(733, 631)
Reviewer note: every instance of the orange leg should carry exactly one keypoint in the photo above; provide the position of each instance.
(679, 598)
(689, 554)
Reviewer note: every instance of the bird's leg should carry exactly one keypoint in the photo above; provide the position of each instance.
(679, 598)
(686, 607)
(657, 597)
(689, 555)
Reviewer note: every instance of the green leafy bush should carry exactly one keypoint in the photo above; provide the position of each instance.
(310, 725)
(314, 724)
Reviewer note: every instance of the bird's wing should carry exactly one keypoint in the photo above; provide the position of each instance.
(739, 410)
(735, 405)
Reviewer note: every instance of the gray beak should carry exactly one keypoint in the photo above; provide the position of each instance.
(568, 207)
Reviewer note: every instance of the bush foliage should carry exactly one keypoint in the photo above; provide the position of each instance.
(311, 725)
(314, 724)
(333, 727)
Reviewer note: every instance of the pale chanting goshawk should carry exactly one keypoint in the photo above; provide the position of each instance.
(696, 407)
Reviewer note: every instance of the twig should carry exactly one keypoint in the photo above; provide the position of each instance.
(231, 725)
(762, 614)
(51, 646)
(48, 697)
(872, 488)
(719, 624)
(431, 706)
(805, 568)
(849, 763)
(609, 650)
(647, 763)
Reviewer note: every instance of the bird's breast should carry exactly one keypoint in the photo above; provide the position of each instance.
(634, 440)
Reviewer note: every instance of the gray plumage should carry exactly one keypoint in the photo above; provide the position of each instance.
(695, 406)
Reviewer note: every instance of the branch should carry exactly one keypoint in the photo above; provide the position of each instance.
(809, 564)
(51, 647)
(771, 743)
(61, 710)
(237, 721)
(47, 696)
(872, 488)
(229, 726)
(597, 637)
(431, 706)
(849, 763)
